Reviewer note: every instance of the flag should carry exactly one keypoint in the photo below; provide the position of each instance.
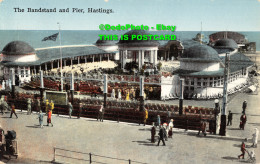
(52, 37)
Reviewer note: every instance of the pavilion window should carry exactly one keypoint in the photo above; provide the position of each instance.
(215, 83)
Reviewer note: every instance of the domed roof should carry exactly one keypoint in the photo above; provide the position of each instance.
(105, 42)
(200, 53)
(138, 43)
(18, 48)
(226, 43)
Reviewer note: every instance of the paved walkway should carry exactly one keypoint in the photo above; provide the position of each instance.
(131, 141)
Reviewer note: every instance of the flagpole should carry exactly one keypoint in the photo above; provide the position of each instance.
(61, 80)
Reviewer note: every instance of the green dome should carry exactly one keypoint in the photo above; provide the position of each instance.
(200, 53)
(18, 48)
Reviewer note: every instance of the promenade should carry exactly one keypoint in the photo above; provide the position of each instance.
(131, 141)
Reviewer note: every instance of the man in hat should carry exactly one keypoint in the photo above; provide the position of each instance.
(230, 117)
(244, 107)
(161, 136)
(153, 132)
(243, 120)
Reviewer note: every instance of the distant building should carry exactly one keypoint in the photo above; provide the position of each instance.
(240, 39)
(202, 68)
(27, 61)
(171, 50)
(21, 53)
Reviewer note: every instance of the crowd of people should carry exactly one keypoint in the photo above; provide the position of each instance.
(165, 130)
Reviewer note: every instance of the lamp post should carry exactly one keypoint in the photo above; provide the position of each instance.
(13, 82)
(41, 85)
(105, 91)
(216, 101)
(141, 93)
(224, 103)
(181, 97)
(72, 88)
(61, 74)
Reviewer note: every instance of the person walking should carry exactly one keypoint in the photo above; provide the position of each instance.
(165, 131)
(230, 117)
(255, 137)
(49, 118)
(101, 113)
(158, 123)
(13, 111)
(4, 106)
(243, 150)
(145, 116)
(170, 126)
(243, 120)
(202, 127)
(80, 110)
(161, 136)
(47, 106)
(29, 106)
(244, 107)
(51, 106)
(41, 118)
(70, 107)
(1, 107)
(37, 105)
(153, 132)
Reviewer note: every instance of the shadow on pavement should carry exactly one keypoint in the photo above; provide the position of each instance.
(254, 115)
(145, 129)
(230, 158)
(5, 117)
(145, 143)
(255, 124)
(134, 124)
(35, 126)
(233, 129)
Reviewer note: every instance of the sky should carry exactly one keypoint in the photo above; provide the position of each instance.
(186, 15)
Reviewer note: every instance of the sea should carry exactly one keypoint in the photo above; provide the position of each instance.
(88, 37)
